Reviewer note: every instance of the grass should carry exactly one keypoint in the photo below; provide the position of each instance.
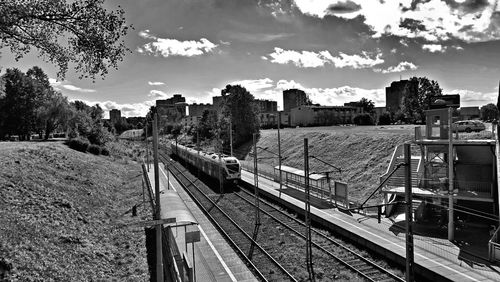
(59, 210)
(362, 152)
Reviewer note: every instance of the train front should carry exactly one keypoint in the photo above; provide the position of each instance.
(232, 169)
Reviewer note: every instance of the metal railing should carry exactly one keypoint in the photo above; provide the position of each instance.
(494, 247)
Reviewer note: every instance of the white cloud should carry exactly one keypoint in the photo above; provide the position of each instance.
(166, 47)
(155, 83)
(402, 66)
(127, 109)
(434, 48)
(433, 20)
(254, 85)
(157, 94)
(309, 59)
(469, 98)
(57, 85)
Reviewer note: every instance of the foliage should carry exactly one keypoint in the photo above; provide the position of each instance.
(94, 149)
(363, 119)
(489, 112)
(79, 144)
(82, 32)
(418, 98)
(86, 121)
(55, 112)
(368, 106)
(206, 125)
(24, 95)
(239, 107)
(384, 119)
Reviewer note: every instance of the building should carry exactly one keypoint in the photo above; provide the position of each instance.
(469, 113)
(266, 106)
(189, 121)
(115, 116)
(198, 109)
(445, 101)
(217, 102)
(171, 110)
(322, 115)
(394, 94)
(293, 98)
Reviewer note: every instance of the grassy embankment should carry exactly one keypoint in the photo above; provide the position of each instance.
(363, 153)
(59, 210)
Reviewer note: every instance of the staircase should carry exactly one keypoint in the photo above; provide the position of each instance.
(398, 178)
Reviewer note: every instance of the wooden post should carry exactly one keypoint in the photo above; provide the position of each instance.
(451, 224)
(158, 228)
(409, 215)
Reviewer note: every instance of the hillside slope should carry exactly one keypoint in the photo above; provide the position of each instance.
(58, 209)
(363, 153)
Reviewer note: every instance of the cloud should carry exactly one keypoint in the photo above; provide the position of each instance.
(157, 94)
(166, 47)
(127, 109)
(474, 98)
(309, 59)
(254, 85)
(402, 66)
(432, 20)
(434, 48)
(343, 7)
(257, 37)
(57, 85)
(155, 83)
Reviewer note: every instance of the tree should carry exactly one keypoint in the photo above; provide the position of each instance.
(54, 113)
(489, 112)
(418, 96)
(24, 94)
(82, 32)
(240, 108)
(368, 106)
(384, 119)
(363, 119)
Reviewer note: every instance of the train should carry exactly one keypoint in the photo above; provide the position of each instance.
(209, 163)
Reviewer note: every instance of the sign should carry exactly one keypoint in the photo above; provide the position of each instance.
(193, 236)
(341, 192)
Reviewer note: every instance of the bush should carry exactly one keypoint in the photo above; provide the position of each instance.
(363, 119)
(79, 144)
(384, 119)
(94, 149)
(104, 151)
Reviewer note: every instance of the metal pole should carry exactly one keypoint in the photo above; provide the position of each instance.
(451, 225)
(256, 180)
(147, 145)
(221, 189)
(409, 215)
(309, 263)
(159, 249)
(279, 154)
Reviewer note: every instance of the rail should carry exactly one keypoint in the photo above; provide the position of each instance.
(494, 247)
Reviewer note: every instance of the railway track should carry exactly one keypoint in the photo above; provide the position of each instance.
(277, 234)
(257, 258)
(323, 242)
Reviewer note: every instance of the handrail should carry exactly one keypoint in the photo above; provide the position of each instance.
(397, 152)
(149, 187)
(492, 244)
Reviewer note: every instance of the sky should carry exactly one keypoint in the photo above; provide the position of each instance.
(337, 51)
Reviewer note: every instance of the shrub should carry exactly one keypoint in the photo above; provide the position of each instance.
(104, 151)
(79, 144)
(363, 119)
(384, 119)
(94, 149)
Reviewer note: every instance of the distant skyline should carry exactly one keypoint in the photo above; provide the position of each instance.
(337, 51)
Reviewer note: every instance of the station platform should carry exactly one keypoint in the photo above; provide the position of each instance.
(435, 258)
(214, 259)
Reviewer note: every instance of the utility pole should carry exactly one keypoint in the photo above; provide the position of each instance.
(159, 248)
(198, 148)
(451, 224)
(221, 189)
(409, 215)
(309, 261)
(231, 134)
(256, 195)
(279, 154)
